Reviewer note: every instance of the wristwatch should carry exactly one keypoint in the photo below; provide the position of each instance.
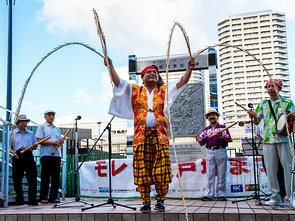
(222, 136)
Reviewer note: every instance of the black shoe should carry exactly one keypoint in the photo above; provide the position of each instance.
(205, 198)
(160, 206)
(33, 203)
(222, 198)
(146, 208)
(19, 202)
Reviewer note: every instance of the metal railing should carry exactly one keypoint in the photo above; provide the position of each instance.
(5, 162)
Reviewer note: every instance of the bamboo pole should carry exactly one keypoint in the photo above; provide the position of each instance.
(167, 100)
(213, 135)
(53, 152)
(241, 106)
(28, 148)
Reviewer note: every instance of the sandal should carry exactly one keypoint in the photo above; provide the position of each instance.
(44, 201)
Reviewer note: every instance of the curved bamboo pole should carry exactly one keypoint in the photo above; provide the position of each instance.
(103, 42)
(167, 100)
(35, 68)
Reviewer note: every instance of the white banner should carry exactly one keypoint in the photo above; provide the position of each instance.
(94, 178)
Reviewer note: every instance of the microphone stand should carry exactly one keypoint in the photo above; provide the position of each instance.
(77, 197)
(110, 199)
(255, 155)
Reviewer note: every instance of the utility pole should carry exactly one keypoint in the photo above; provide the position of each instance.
(9, 63)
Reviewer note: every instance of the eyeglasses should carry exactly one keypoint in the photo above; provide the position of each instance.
(50, 114)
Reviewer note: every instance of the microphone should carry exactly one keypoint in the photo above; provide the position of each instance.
(250, 105)
(78, 117)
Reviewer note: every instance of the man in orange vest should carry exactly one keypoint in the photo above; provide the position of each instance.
(145, 105)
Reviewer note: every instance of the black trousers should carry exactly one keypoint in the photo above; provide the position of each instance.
(25, 163)
(50, 170)
(281, 180)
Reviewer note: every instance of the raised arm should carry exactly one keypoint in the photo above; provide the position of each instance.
(115, 77)
(185, 78)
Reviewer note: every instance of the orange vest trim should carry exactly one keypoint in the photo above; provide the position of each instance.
(140, 108)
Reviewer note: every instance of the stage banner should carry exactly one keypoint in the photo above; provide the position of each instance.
(94, 178)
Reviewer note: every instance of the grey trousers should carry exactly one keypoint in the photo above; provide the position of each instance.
(216, 159)
(271, 153)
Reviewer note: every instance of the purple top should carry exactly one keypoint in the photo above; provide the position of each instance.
(216, 140)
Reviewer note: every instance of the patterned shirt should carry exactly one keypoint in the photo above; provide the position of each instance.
(263, 112)
(259, 129)
(216, 140)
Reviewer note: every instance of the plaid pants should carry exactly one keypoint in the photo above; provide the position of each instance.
(151, 164)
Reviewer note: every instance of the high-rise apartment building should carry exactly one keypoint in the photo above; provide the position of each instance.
(242, 78)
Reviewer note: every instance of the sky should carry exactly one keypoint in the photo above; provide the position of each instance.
(74, 81)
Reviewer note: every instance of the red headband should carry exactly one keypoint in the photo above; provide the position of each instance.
(148, 67)
(278, 82)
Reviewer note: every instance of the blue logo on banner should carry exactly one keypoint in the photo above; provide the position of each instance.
(236, 188)
(103, 190)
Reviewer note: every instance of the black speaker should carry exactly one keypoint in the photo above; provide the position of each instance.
(212, 59)
(132, 64)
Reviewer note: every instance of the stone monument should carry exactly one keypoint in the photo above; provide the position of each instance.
(187, 118)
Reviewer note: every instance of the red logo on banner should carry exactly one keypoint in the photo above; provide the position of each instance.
(119, 170)
(188, 166)
(238, 163)
(101, 166)
(258, 160)
(203, 163)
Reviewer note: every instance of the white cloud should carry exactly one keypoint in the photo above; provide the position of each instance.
(29, 105)
(286, 6)
(143, 27)
(83, 97)
(71, 118)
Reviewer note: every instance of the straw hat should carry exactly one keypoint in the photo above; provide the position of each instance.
(212, 110)
(22, 117)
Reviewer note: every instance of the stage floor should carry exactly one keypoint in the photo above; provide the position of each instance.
(197, 211)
